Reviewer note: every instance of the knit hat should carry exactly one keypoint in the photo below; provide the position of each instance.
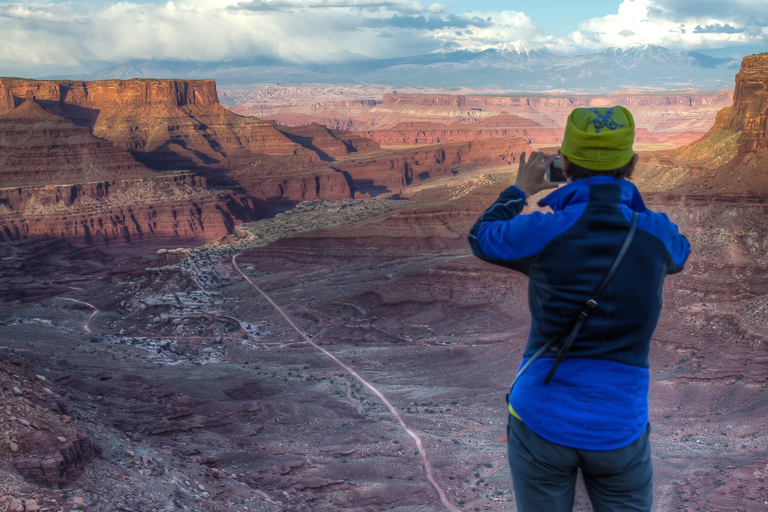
(599, 139)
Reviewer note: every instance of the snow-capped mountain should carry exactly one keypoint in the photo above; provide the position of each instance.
(449, 47)
(514, 65)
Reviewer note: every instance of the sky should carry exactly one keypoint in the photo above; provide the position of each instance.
(45, 38)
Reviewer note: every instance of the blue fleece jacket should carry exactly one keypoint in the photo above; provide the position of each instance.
(598, 398)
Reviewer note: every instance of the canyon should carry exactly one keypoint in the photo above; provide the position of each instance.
(665, 119)
(194, 169)
(142, 370)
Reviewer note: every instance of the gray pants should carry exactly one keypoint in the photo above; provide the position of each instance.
(544, 473)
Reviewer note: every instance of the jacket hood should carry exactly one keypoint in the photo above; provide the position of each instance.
(578, 192)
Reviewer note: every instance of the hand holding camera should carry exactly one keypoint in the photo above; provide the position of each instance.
(533, 172)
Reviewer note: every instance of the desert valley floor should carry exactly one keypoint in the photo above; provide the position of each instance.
(197, 394)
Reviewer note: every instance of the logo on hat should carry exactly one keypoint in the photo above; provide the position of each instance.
(604, 120)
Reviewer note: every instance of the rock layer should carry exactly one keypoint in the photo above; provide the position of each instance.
(38, 147)
(50, 462)
(109, 93)
(97, 144)
(503, 125)
(393, 172)
(178, 207)
(47, 448)
(749, 113)
(731, 157)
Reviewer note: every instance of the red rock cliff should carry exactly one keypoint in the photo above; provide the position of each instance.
(37, 148)
(749, 113)
(393, 172)
(731, 158)
(169, 208)
(109, 93)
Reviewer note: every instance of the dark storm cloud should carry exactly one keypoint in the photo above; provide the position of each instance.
(718, 29)
(741, 12)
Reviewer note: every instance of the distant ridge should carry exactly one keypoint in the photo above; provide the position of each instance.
(514, 65)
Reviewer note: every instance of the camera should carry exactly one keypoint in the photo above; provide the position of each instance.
(555, 172)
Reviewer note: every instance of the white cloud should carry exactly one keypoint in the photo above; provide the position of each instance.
(74, 35)
(491, 28)
(45, 36)
(675, 24)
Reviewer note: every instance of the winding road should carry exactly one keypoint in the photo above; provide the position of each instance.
(414, 436)
(95, 311)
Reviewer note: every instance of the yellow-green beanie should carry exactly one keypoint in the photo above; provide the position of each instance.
(599, 139)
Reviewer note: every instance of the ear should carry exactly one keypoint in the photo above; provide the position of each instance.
(566, 165)
(633, 163)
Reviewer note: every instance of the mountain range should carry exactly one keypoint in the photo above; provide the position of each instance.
(508, 66)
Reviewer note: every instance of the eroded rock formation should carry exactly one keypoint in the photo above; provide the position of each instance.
(47, 448)
(82, 159)
(664, 114)
(58, 179)
(731, 158)
(173, 124)
(749, 113)
(165, 208)
(393, 172)
(38, 148)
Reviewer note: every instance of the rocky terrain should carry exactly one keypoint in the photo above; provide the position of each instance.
(195, 393)
(351, 354)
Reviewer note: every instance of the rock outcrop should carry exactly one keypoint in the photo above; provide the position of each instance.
(38, 148)
(45, 446)
(109, 93)
(50, 462)
(177, 208)
(503, 125)
(749, 113)
(731, 158)
(392, 173)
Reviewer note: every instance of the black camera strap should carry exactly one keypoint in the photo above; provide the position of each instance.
(575, 326)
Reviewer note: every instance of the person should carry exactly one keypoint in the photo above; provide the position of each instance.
(583, 406)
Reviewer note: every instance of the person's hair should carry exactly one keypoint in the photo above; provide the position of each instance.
(576, 172)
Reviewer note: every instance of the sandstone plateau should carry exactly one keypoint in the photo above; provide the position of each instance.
(114, 155)
(60, 180)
